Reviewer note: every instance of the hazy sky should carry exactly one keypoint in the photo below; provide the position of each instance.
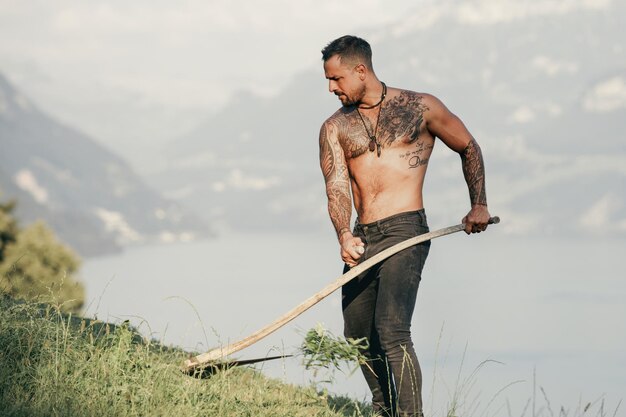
(143, 72)
(157, 67)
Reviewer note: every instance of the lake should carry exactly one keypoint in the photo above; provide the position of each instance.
(552, 307)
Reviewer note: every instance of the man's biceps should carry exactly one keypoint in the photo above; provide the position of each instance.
(457, 144)
(455, 136)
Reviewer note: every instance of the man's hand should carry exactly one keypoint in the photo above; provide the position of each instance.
(477, 219)
(351, 249)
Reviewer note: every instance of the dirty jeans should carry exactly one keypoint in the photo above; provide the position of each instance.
(378, 305)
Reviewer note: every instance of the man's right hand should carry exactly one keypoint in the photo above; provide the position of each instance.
(351, 249)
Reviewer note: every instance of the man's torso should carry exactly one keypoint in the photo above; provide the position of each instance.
(392, 182)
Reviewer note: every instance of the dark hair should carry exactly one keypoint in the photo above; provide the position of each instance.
(350, 48)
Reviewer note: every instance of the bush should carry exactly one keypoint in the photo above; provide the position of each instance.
(34, 265)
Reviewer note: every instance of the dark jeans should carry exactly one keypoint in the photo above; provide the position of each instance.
(378, 305)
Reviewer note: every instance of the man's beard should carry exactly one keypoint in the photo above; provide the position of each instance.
(358, 96)
(346, 102)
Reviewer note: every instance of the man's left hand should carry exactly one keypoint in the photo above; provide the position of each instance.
(477, 219)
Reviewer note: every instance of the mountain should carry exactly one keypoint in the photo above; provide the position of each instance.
(541, 85)
(89, 196)
(255, 160)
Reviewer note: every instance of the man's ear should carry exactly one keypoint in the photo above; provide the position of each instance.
(361, 70)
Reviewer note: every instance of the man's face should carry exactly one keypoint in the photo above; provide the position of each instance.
(344, 81)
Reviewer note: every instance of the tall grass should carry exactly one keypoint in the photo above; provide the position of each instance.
(465, 401)
(53, 364)
(322, 350)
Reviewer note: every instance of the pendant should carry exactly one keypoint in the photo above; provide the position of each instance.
(378, 148)
(373, 144)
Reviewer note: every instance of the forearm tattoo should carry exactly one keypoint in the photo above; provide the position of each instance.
(474, 172)
(335, 172)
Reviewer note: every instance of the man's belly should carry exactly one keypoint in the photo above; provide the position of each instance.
(382, 187)
(373, 207)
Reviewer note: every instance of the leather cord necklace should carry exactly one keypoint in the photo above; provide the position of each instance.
(374, 143)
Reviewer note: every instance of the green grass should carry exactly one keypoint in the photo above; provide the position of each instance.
(53, 364)
(322, 350)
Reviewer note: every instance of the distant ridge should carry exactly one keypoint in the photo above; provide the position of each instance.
(90, 196)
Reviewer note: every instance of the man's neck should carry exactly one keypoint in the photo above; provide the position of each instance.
(374, 92)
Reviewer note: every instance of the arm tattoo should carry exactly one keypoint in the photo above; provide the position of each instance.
(474, 172)
(335, 172)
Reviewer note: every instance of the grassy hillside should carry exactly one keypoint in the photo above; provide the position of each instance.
(58, 365)
(52, 364)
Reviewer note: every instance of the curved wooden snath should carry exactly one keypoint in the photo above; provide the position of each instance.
(218, 354)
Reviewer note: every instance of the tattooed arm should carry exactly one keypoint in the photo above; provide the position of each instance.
(335, 171)
(451, 130)
(474, 172)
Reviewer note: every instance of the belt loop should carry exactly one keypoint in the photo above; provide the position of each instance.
(422, 213)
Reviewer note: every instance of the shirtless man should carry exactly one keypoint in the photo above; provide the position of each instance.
(377, 146)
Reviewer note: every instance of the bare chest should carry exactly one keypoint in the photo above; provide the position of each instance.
(398, 126)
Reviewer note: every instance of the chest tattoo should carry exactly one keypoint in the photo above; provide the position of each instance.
(401, 119)
(415, 157)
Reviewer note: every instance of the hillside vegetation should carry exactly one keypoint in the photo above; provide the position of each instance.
(52, 364)
(35, 265)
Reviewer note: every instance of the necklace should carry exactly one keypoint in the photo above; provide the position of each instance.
(374, 144)
(382, 97)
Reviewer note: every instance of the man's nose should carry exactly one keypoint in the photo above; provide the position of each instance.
(332, 86)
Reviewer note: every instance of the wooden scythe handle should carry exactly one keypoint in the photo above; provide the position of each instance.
(220, 353)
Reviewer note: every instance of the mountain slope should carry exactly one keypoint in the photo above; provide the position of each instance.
(91, 197)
